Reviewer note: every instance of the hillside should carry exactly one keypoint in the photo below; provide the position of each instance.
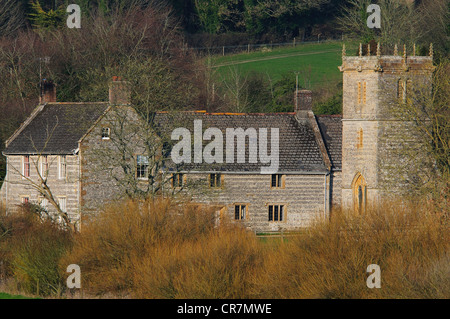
(316, 63)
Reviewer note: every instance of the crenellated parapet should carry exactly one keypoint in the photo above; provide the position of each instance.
(387, 63)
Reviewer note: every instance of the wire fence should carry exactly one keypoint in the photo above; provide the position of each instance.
(262, 47)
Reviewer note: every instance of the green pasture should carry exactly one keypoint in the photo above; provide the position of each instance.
(316, 63)
(8, 296)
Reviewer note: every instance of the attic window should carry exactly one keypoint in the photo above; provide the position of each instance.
(106, 133)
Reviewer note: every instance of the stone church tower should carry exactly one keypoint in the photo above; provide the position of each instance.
(374, 139)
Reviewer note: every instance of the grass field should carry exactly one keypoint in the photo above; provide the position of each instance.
(8, 296)
(317, 63)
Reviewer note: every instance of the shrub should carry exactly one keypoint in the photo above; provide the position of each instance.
(410, 245)
(129, 231)
(170, 249)
(30, 251)
(218, 266)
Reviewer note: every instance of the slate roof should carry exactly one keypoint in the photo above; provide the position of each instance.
(331, 129)
(55, 129)
(298, 149)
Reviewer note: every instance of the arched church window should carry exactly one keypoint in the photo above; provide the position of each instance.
(359, 187)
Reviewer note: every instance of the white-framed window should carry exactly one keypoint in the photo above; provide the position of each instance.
(62, 201)
(276, 213)
(44, 166)
(26, 166)
(62, 167)
(24, 199)
(142, 164)
(43, 202)
(106, 133)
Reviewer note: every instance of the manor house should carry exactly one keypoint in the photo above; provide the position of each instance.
(325, 161)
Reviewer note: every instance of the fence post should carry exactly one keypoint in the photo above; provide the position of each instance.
(248, 48)
(223, 50)
(294, 42)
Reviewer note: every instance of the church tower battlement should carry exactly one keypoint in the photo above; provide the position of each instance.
(372, 134)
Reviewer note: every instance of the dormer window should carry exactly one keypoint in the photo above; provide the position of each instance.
(106, 133)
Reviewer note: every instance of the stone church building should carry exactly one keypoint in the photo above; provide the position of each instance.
(324, 162)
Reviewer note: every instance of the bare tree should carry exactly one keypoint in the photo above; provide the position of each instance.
(286, 7)
(11, 17)
(433, 21)
(235, 85)
(428, 159)
(398, 22)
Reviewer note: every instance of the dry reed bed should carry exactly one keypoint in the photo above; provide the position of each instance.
(167, 249)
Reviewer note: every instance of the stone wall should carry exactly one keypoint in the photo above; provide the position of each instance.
(16, 186)
(303, 197)
(102, 177)
(336, 189)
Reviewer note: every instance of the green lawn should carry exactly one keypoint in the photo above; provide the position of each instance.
(8, 296)
(317, 62)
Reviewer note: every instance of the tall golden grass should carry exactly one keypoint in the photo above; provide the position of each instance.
(109, 245)
(167, 249)
(330, 260)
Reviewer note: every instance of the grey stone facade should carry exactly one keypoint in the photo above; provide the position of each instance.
(326, 162)
(374, 139)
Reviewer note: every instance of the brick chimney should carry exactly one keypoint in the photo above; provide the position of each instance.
(119, 92)
(48, 92)
(303, 102)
